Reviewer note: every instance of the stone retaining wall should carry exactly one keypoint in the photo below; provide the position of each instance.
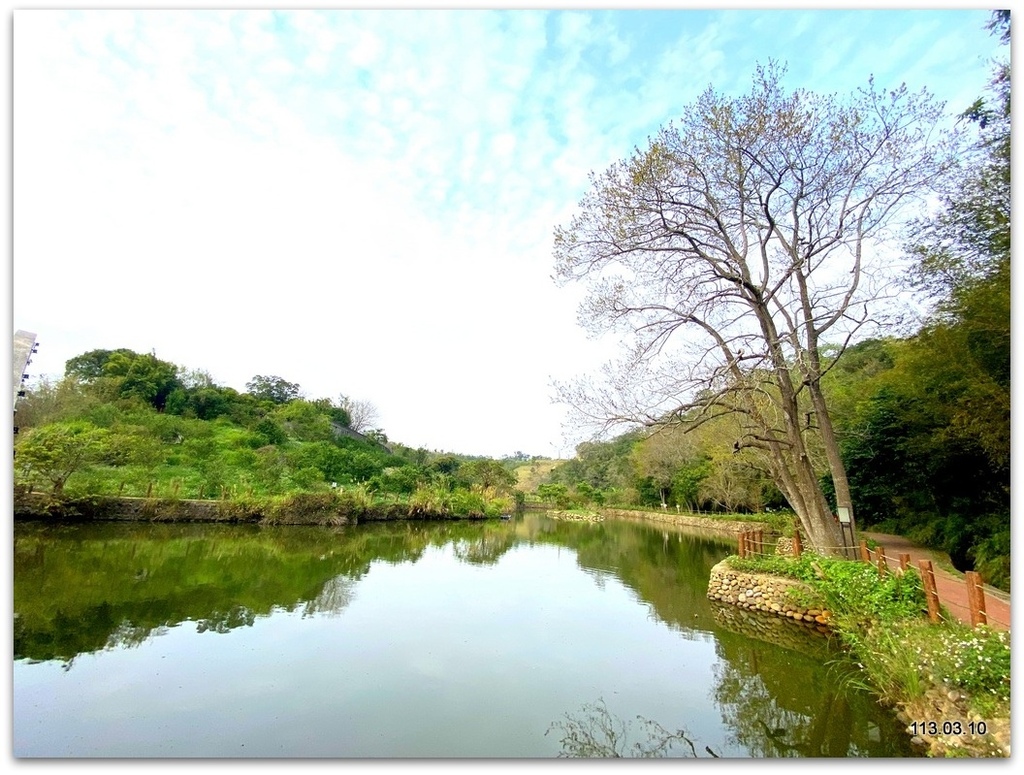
(764, 592)
(808, 638)
(689, 520)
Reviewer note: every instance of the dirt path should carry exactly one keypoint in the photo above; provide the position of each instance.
(950, 585)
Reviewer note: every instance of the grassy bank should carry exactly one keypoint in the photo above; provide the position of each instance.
(949, 682)
(335, 507)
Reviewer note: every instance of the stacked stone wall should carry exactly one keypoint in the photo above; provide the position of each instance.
(764, 592)
(808, 638)
(731, 526)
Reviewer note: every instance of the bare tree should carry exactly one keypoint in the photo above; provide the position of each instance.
(362, 414)
(748, 236)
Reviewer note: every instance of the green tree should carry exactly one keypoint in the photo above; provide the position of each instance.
(269, 431)
(686, 482)
(273, 389)
(751, 224)
(55, 452)
(90, 366)
(127, 374)
(305, 420)
(658, 458)
(488, 474)
(396, 479)
(552, 492)
(133, 446)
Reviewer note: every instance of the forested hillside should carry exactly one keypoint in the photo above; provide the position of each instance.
(125, 423)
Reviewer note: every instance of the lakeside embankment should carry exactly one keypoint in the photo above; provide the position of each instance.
(311, 509)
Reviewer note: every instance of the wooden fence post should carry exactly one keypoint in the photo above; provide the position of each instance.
(201, 488)
(930, 593)
(149, 490)
(883, 566)
(797, 548)
(120, 490)
(742, 544)
(865, 555)
(976, 597)
(904, 561)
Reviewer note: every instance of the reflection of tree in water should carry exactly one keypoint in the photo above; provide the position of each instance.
(596, 734)
(335, 597)
(486, 548)
(129, 635)
(225, 621)
(806, 710)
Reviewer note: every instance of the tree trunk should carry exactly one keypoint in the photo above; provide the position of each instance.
(802, 488)
(835, 461)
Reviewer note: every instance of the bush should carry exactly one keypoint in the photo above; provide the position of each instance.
(468, 504)
(327, 508)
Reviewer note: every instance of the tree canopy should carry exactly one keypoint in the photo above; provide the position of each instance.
(273, 389)
(747, 236)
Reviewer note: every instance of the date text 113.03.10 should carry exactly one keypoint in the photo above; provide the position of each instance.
(948, 727)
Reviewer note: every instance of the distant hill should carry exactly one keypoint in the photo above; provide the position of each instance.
(533, 473)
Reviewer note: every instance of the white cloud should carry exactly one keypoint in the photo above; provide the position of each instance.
(361, 202)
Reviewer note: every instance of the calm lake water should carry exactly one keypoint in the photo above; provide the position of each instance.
(534, 637)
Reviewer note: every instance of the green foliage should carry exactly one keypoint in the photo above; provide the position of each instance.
(126, 374)
(976, 660)
(852, 591)
(55, 452)
(686, 481)
(467, 503)
(925, 438)
(206, 402)
(991, 554)
(90, 366)
(396, 479)
(272, 388)
(305, 420)
(487, 473)
(268, 431)
(882, 621)
(268, 451)
(555, 493)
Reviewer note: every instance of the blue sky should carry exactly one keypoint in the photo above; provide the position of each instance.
(363, 202)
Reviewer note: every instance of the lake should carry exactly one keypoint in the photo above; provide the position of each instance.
(533, 637)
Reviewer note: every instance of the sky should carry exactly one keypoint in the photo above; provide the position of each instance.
(363, 202)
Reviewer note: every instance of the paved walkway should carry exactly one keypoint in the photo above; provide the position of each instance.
(950, 585)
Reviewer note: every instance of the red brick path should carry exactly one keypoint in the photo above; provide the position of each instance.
(951, 586)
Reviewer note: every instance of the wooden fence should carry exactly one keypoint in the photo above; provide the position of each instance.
(751, 543)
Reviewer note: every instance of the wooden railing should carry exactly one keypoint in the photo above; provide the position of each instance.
(751, 543)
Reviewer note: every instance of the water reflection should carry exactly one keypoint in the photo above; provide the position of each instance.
(86, 588)
(594, 733)
(777, 708)
(423, 630)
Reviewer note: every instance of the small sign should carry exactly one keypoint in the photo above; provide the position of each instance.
(844, 515)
